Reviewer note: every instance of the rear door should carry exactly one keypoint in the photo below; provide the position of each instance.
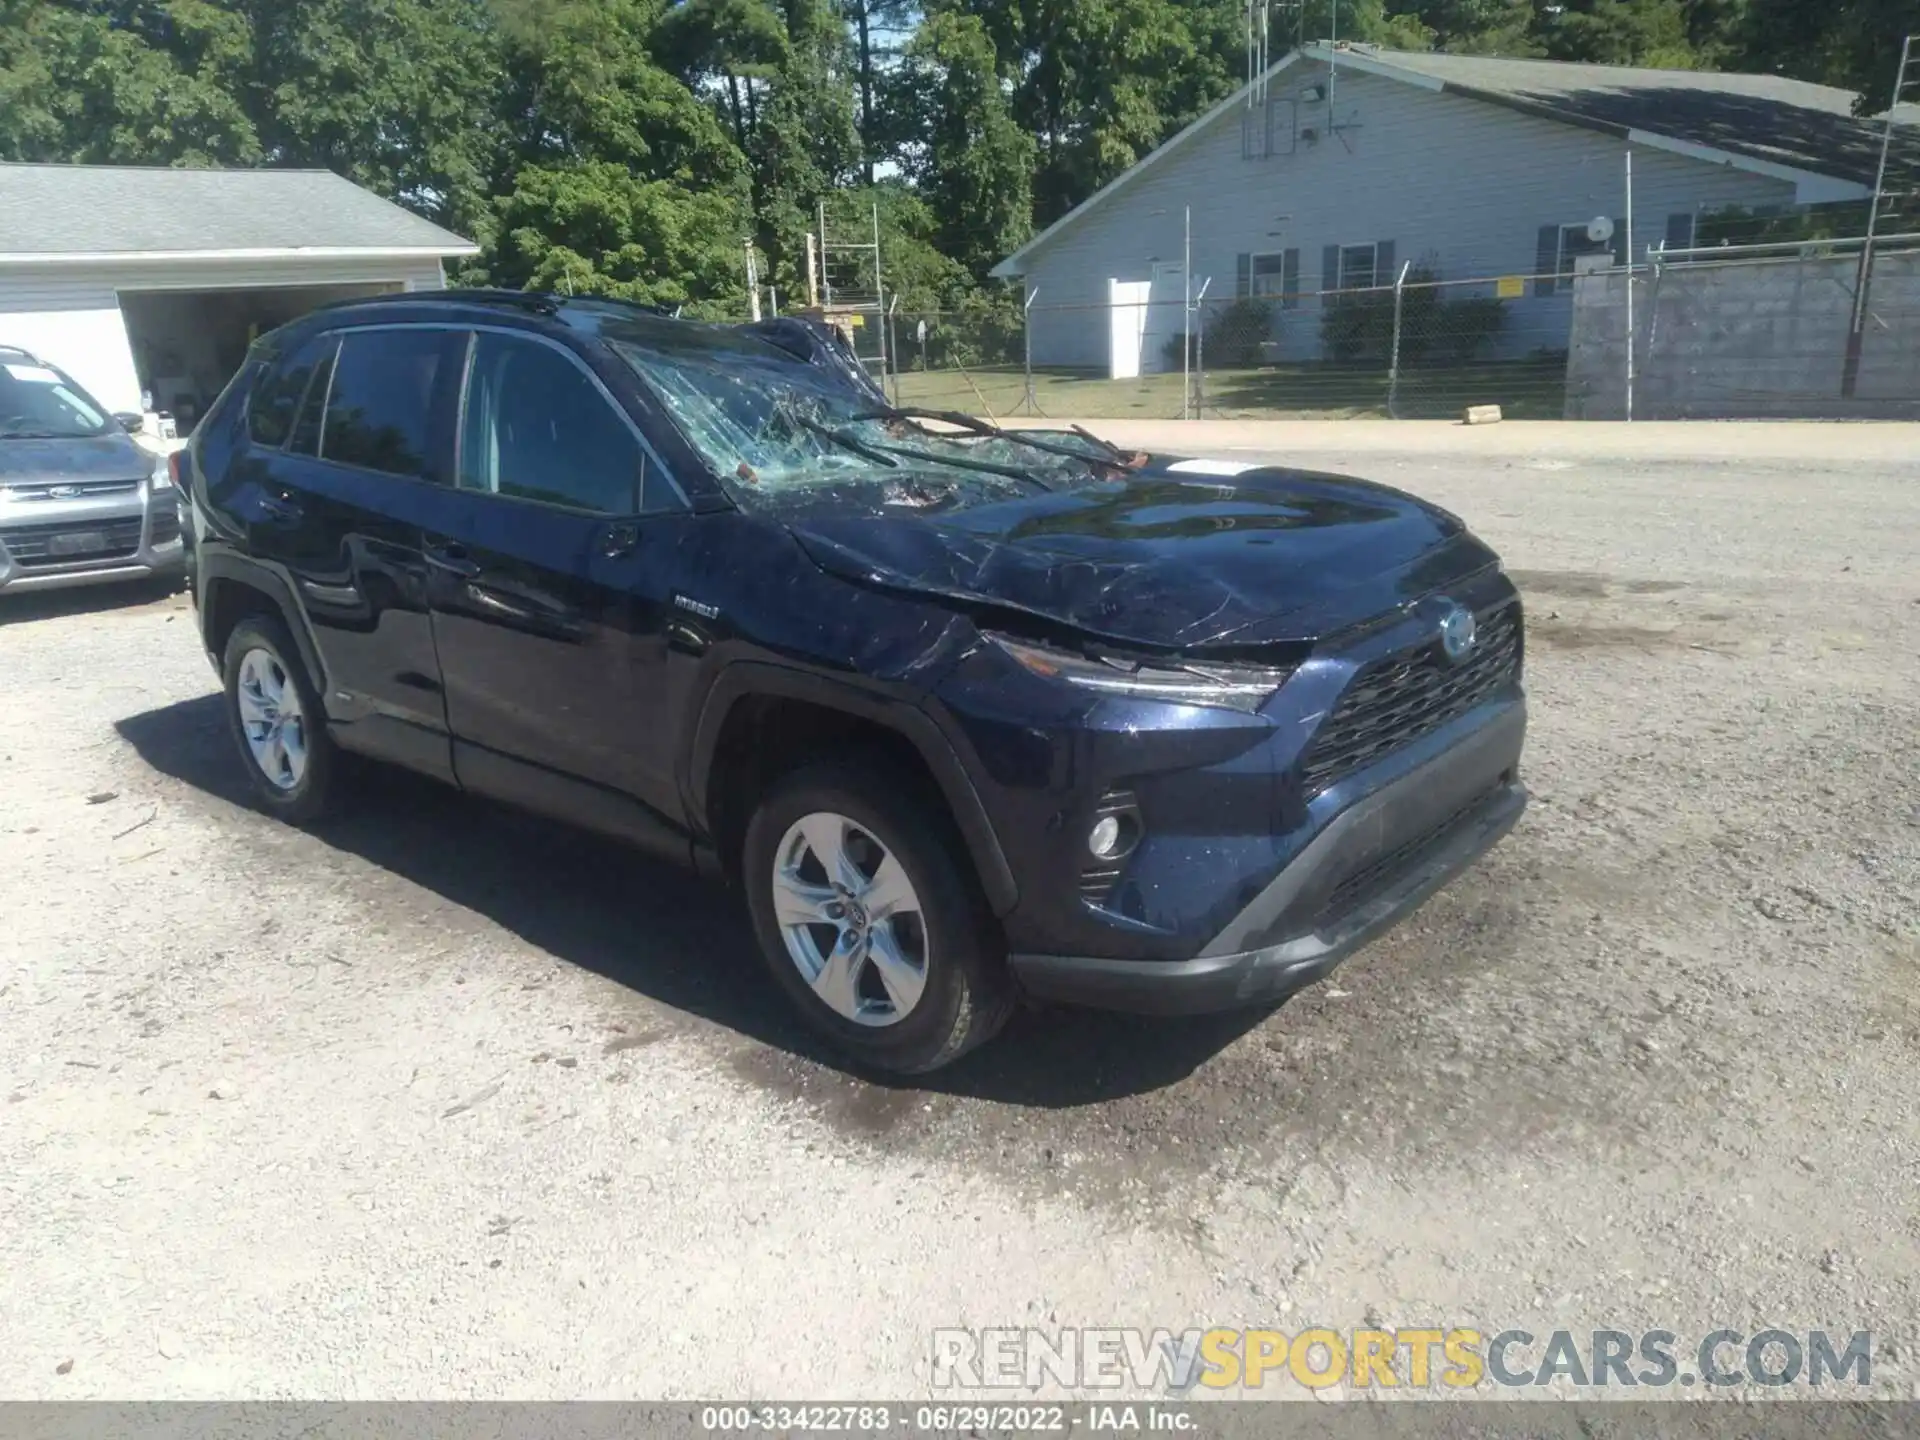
(362, 460)
(549, 584)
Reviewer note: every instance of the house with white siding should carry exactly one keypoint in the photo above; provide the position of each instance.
(151, 282)
(1343, 164)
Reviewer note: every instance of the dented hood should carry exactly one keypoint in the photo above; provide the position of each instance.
(1169, 558)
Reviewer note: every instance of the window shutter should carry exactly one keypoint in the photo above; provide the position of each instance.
(1384, 271)
(1330, 268)
(1680, 230)
(1290, 279)
(1547, 258)
(1244, 281)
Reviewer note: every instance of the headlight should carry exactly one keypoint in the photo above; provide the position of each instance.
(162, 477)
(1233, 687)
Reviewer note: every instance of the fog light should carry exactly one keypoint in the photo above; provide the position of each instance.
(1104, 839)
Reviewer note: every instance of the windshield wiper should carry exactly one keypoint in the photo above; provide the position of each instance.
(884, 454)
(977, 426)
(37, 435)
(846, 441)
(990, 467)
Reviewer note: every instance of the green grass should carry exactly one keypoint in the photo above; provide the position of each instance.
(1524, 389)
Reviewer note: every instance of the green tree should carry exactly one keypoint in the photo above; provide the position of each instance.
(596, 229)
(1854, 44)
(1476, 27)
(88, 83)
(967, 156)
(398, 95)
(1619, 32)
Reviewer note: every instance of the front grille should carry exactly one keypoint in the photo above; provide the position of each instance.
(1398, 698)
(28, 544)
(1362, 882)
(72, 489)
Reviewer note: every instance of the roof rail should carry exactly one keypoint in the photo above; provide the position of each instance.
(19, 351)
(531, 300)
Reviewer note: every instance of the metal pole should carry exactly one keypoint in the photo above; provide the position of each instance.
(893, 361)
(1393, 365)
(880, 304)
(1200, 350)
(1630, 334)
(753, 285)
(1186, 317)
(1863, 278)
(1026, 345)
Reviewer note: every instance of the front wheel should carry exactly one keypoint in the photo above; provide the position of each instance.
(870, 923)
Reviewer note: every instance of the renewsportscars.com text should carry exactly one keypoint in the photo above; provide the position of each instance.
(1431, 1358)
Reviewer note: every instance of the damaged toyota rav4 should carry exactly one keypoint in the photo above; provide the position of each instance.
(969, 714)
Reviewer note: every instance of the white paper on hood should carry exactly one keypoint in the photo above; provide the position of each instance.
(1214, 467)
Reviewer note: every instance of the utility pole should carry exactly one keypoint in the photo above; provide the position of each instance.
(1629, 248)
(1863, 278)
(1186, 318)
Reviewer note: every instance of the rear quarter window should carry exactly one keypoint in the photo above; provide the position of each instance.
(277, 395)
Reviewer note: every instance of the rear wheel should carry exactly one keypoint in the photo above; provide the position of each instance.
(870, 922)
(277, 723)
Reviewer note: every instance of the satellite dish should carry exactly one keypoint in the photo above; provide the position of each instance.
(1600, 229)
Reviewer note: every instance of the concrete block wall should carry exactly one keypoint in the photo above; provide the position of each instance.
(1761, 340)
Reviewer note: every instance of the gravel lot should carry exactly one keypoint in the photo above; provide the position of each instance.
(445, 1101)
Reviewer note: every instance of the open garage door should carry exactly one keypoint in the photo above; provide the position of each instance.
(188, 343)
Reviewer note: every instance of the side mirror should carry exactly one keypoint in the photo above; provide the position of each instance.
(130, 422)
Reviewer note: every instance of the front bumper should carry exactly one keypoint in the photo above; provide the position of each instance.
(150, 558)
(1369, 868)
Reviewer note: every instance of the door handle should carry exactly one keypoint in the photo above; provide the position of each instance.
(281, 510)
(453, 559)
(619, 541)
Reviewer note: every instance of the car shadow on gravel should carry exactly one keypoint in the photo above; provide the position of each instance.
(678, 940)
(129, 595)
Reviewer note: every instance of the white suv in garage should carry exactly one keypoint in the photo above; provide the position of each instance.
(80, 502)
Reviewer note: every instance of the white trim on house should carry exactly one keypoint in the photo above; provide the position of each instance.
(1811, 187)
(317, 252)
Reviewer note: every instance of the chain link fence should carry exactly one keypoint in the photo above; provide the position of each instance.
(1423, 348)
(1723, 331)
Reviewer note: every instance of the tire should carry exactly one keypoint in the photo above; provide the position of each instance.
(965, 994)
(258, 648)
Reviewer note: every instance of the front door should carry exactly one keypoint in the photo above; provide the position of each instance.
(549, 603)
(350, 444)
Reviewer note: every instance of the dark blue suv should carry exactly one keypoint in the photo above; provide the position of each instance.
(970, 714)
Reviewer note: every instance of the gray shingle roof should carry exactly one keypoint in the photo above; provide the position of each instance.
(1763, 117)
(111, 209)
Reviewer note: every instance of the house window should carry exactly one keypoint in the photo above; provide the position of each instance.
(1276, 275)
(1359, 267)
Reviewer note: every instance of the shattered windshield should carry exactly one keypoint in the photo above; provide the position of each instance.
(767, 421)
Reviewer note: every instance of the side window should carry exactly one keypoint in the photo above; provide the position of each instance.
(379, 410)
(537, 428)
(276, 399)
(304, 439)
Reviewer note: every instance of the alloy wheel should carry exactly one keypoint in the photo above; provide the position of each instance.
(852, 922)
(271, 719)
